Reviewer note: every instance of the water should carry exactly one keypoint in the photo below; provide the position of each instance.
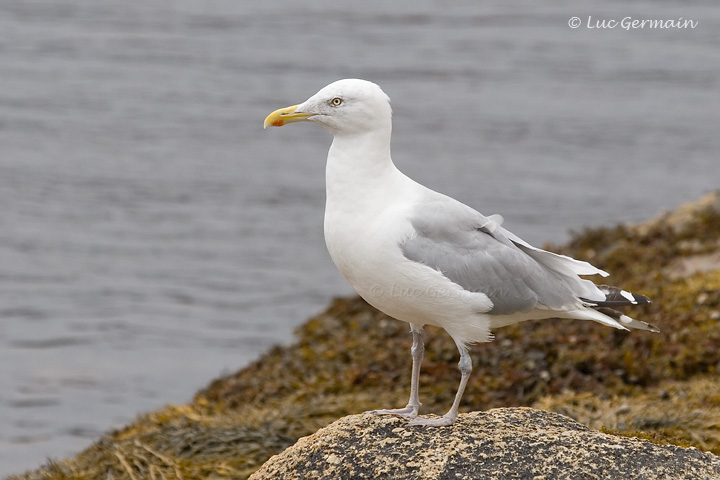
(153, 237)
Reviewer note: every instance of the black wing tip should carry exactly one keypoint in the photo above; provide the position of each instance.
(617, 297)
(652, 328)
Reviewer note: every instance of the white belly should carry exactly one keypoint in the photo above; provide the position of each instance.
(372, 261)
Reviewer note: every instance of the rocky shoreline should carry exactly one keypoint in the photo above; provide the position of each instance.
(662, 387)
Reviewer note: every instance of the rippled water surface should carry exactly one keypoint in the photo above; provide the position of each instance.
(153, 236)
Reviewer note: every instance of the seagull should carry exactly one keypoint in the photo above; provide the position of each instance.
(426, 259)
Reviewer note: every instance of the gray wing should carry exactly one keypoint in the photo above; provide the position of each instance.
(474, 252)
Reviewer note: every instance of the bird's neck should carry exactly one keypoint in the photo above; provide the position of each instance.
(358, 164)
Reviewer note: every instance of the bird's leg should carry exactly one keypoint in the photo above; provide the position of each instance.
(465, 367)
(417, 351)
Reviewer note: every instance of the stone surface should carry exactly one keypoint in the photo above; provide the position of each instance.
(507, 443)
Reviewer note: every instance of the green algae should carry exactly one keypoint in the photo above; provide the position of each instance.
(352, 358)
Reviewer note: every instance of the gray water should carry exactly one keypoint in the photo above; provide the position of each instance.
(153, 236)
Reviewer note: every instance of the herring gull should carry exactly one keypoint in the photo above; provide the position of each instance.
(424, 258)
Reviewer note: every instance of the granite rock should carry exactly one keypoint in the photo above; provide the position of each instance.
(505, 443)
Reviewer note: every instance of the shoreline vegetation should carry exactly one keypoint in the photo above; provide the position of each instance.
(351, 358)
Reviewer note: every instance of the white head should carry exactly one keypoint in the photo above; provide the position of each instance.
(349, 106)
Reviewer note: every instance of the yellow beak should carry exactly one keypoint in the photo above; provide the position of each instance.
(280, 117)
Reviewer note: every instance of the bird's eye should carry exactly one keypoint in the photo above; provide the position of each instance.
(336, 101)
